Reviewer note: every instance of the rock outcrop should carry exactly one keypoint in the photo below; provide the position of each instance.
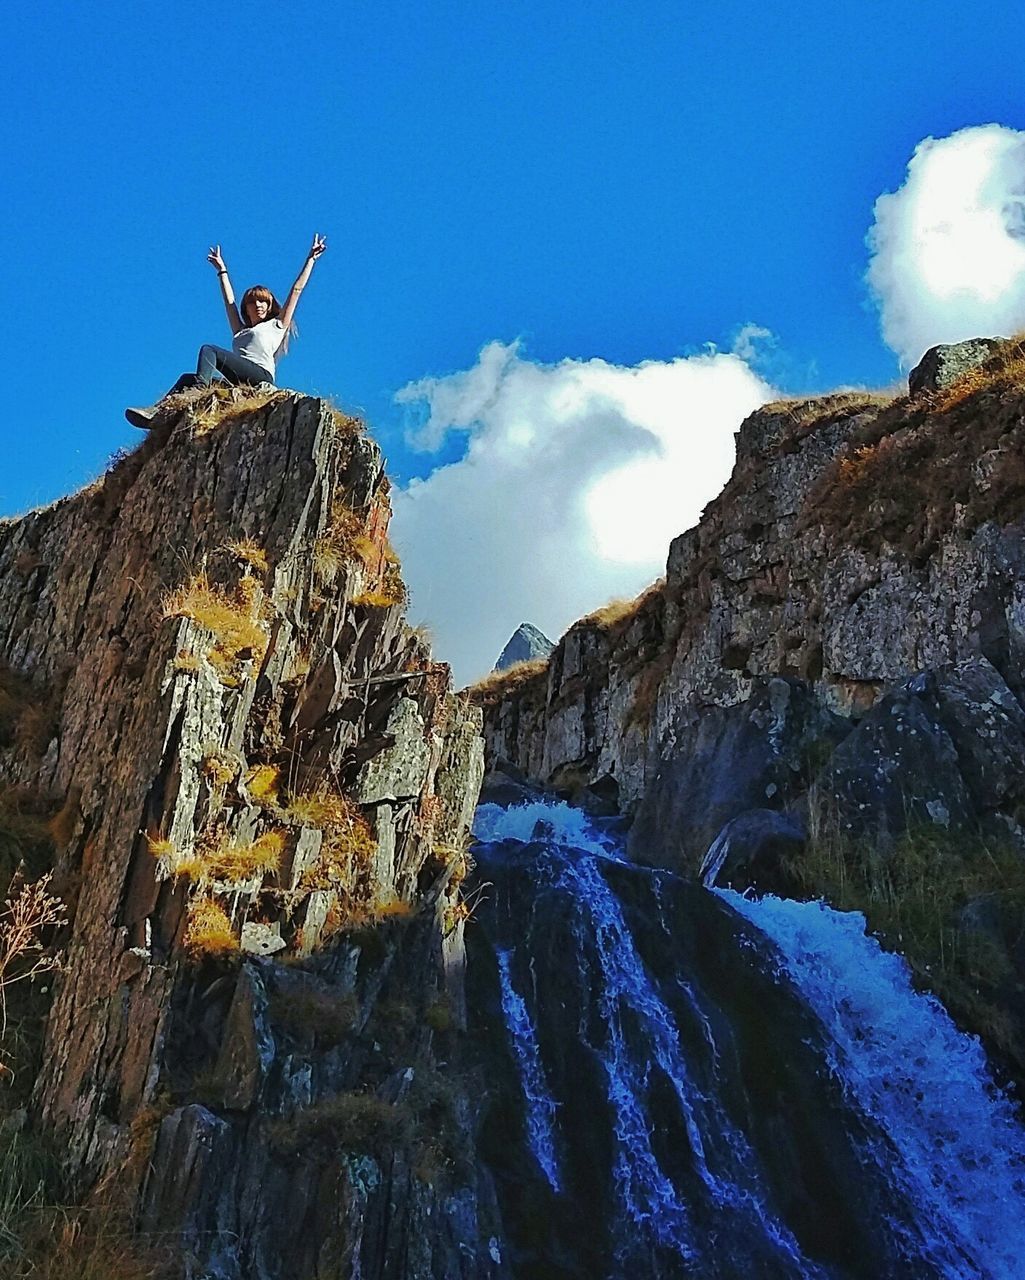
(263, 786)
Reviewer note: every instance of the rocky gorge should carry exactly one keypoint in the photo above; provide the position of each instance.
(824, 693)
(325, 1009)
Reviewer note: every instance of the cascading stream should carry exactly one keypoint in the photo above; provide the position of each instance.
(744, 1088)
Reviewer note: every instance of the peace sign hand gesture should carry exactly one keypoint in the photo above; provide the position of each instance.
(319, 245)
(215, 259)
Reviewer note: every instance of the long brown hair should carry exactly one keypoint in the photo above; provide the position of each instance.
(261, 292)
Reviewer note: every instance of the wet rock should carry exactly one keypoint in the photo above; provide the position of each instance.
(247, 1047)
(723, 761)
(942, 365)
(751, 852)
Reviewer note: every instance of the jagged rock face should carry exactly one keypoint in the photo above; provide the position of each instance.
(280, 750)
(771, 586)
(525, 645)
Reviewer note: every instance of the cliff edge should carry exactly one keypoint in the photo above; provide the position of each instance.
(244, 754)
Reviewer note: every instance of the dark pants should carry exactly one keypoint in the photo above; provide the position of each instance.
(216, 360)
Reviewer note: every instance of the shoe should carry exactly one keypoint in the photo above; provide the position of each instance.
(142, 418)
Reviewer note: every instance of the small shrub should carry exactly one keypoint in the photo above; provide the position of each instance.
(321, 1017)
(185, 661)
(30, 915)
(354, 1122)
(208, 931)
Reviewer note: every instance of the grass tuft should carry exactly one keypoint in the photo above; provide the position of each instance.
(497, 685)
(208, 931)
(236, 863)
(249, 551)
(233, 617)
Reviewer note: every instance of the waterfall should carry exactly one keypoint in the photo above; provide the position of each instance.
(652, 1022)
(954, 1141)
(540, 1103)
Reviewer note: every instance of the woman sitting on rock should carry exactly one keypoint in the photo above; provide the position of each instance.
(260, 335)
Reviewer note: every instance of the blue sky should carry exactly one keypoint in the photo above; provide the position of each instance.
(624, 182)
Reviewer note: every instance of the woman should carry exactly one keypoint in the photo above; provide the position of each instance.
(260, 335)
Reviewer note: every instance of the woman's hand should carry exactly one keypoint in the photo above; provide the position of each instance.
(215, 259)
(319, 245)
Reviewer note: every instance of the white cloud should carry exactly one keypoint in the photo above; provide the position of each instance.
(575, 478)
(948, 248)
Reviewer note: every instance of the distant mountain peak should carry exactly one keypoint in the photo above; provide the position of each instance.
(525, 644)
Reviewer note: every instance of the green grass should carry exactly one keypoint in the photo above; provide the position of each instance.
(914, 895)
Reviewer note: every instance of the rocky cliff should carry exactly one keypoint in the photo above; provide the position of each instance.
(258, 787)
(826, 689)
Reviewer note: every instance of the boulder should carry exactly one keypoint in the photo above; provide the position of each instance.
(751, 852)
(718, 762)
(899, 768)
(942, 365)
(944, 747)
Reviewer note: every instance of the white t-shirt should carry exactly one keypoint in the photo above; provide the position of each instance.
(260, 343)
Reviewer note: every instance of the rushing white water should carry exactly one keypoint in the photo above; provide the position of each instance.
(540, 1103)
(955, 1144)
(559, 822)
(653, 1208)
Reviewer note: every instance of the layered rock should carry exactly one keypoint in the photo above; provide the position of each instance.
(265, 787)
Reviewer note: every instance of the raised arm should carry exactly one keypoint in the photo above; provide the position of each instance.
(291, 302)
(227, 293)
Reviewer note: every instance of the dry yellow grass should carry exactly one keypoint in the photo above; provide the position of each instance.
(322, 808)
(209, 931)
(618, 612)
(231, 617)
(1003, 370)
(239, 862)
(329, 559)
(262, 782)
(392, 908)
(219, 769)
(161, 847)
(221, 404)
(499, 684)
(185, 661)
(249, 551)
(345, 424)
